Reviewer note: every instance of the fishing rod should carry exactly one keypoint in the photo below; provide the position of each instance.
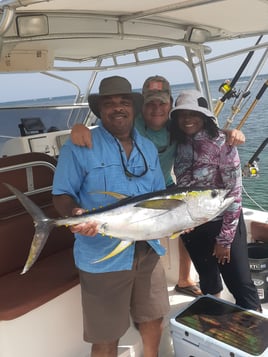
(251, 169)
(237, 105)
(252, 106)
(228, 86)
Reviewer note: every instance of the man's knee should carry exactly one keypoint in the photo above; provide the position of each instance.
(150, 326)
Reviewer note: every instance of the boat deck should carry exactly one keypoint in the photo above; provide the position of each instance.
(130, 344)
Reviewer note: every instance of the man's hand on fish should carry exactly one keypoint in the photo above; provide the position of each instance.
(222, 254)
(87, 228)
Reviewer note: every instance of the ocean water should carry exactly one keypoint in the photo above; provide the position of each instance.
(255, 129)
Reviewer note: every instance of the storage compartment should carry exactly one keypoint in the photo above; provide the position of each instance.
(214, 327)
(258, 262)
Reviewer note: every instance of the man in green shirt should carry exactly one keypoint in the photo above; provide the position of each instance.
(153, 121)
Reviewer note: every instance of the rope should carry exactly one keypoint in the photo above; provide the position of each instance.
(252, 200)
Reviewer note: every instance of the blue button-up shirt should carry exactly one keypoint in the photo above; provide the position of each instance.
(82, 172)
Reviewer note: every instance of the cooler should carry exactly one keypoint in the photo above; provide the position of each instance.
(214, 327)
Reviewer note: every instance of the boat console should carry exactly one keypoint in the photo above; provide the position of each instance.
(48, 143)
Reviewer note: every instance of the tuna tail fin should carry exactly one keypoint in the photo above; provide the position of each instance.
(43, 226)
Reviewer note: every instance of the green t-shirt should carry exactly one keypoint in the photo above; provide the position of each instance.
(166, 149)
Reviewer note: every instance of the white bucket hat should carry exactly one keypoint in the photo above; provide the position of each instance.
(192, 100)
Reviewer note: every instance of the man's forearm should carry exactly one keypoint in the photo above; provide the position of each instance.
(64, 204)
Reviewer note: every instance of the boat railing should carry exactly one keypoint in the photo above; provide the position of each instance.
(29, 174)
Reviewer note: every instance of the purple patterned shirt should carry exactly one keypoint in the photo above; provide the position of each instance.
(205, 162)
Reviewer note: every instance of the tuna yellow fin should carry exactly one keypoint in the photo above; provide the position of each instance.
(161, 203)
(175, 235)
(116, 195)
(124, 244)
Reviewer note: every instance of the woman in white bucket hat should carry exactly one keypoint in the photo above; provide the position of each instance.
(205, 159)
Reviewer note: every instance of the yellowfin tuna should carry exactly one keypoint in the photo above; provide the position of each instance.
(154, 215)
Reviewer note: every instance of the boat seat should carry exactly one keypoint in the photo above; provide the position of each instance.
(259, 231)
(54, 272)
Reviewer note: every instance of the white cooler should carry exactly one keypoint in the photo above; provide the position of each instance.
(214, 327)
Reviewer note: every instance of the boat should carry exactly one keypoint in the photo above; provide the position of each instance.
(40, 312)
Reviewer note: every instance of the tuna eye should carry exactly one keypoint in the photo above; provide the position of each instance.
(214, 193)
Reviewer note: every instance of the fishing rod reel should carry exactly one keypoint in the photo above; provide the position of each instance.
(226, 89)
(251, 170)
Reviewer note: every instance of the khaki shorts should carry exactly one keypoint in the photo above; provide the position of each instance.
(109, 298)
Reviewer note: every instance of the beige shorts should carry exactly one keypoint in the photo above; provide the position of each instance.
(108, 299)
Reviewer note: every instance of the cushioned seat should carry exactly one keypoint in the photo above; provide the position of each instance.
(259, 231)
(48, 278)
(54, 272)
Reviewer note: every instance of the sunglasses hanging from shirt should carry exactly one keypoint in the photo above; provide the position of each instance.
(126, 171)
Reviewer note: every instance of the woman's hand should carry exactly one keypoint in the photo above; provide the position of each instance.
(222, 254)
(235, 137)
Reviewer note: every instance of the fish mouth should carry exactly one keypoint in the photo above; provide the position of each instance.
(221, 193)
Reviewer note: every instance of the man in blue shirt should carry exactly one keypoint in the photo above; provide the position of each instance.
(121, 160)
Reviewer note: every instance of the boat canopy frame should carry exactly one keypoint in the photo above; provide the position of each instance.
(42, 36)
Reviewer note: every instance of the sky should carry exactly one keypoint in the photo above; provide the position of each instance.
(19, 87)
